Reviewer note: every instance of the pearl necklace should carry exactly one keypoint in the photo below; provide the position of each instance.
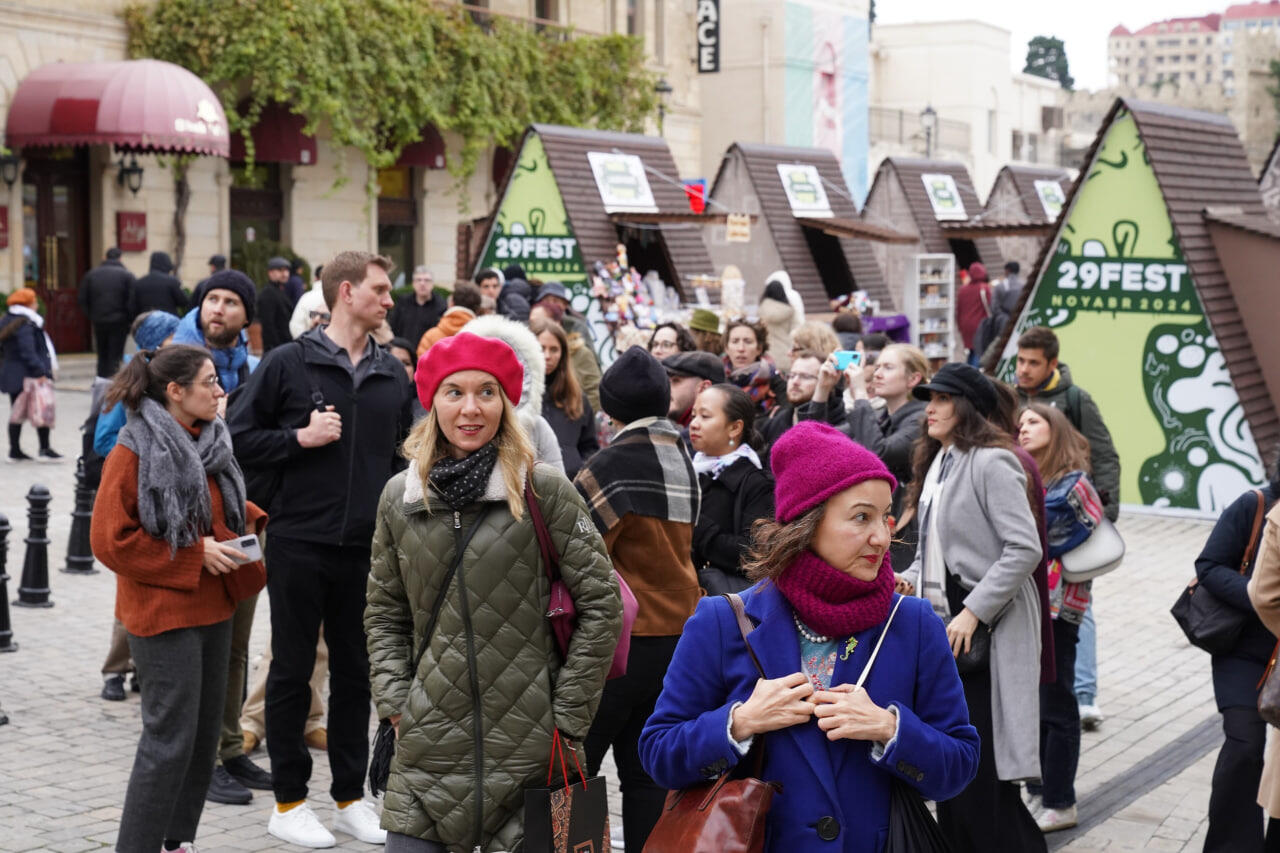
(804, 632)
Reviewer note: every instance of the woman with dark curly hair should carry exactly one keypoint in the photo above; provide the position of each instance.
(749, 365)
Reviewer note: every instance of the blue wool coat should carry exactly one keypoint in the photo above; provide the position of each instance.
(830, 790)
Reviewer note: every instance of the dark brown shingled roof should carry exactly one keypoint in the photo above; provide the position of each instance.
(908, 172)
(1262, 226)
(788, 235)
(567, 149)
(1199, 163)
(1024, 180)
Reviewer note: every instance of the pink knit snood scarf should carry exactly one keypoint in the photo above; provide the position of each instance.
(832, 602)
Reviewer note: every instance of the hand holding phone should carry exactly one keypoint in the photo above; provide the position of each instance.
(248, 546)
(846, 358)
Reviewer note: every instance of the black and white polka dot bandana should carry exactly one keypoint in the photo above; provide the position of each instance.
(461, 482)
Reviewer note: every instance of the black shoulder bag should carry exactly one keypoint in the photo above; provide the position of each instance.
(384, 742)
(1208, 622)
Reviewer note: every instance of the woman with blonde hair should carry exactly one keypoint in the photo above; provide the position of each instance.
(462, 658)
(815, 335)
(891, 432)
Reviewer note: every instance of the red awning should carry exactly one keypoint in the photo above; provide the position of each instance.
(278, 138)
(428, 153)
(138, 104)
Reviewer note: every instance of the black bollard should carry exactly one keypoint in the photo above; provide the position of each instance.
(33, 591)
(6, 632)
(79, 553)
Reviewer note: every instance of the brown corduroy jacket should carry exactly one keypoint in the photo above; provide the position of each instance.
(157, 591)
(1264, 592)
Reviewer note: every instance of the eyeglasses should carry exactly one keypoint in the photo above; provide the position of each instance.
(210, 383)
(803, 377)
(322, 316)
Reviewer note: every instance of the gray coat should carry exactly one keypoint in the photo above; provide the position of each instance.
(989, 539)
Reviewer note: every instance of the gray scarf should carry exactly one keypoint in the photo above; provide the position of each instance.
(174, 505)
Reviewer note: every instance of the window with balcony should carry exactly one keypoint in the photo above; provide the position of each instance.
(1208, 76)
(634, 24)
(1176, 58)
(1175, 76)
(1191, 76)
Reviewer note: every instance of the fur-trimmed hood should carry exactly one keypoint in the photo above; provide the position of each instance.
(528, 352)
(793, 297)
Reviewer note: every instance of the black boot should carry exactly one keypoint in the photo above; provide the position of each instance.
(225, 788)
(47, 453)
(15, 451)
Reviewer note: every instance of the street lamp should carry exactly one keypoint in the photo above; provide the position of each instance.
(9, 168)
(130, 175)
(928, 121)
(664, 90)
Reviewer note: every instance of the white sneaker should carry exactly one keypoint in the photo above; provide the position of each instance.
(1051, 820)
(1090, 717)
(300, 826)
(361, 820)
(184, 847)
(1034, 803)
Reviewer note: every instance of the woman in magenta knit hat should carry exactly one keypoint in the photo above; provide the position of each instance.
(823, 600)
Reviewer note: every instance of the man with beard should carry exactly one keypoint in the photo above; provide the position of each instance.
(225, 303)
(801, 404)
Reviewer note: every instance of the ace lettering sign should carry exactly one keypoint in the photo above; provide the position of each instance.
(708, 36)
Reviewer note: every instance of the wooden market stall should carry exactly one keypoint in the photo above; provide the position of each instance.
(1024, 203)
(1159, 283)
(808, 225)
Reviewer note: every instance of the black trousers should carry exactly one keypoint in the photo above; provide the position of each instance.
(111, 338)
(989, 815)
(310, 583)
(1235, 818)
(625, 706)
(184, 680)
(1060, 724)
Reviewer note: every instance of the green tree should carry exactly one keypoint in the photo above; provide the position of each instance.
(1047, 57)
(374, 73)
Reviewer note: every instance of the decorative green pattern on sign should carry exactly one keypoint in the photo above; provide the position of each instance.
(1122, 300)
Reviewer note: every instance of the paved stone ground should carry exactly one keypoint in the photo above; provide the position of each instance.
(66, 754)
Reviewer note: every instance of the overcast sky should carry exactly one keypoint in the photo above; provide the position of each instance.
(1082, 24)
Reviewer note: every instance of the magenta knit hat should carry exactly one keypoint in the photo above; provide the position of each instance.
(813, 461)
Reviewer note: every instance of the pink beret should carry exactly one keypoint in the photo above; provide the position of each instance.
(465, 351)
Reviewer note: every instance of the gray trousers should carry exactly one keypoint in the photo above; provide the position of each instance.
(184, 683)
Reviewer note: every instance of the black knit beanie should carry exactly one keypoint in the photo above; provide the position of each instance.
(635, 386)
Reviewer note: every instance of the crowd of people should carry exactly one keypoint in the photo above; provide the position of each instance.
(396, 472)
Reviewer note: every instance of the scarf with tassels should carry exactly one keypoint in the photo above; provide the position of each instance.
(174, 505)
(832, 602)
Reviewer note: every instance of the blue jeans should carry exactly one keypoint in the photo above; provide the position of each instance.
(1087, 660)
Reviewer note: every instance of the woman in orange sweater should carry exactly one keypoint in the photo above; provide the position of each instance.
(165, 532)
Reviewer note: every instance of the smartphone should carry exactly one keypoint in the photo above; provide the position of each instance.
(846, 358)
(247, 545)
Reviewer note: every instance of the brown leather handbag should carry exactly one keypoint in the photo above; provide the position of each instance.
(726, 815)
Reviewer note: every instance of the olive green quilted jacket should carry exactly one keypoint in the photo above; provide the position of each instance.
(478, 713)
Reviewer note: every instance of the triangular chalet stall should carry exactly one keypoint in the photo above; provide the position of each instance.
(553, 220)
(900, 199)
(809, 228)
(1172, 338)
(1022, 210)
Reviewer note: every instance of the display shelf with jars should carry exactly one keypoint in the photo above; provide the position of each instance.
(934, 321)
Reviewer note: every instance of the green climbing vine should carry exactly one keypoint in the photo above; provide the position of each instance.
(375, 72)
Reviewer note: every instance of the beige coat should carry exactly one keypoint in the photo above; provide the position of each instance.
(1264, 592)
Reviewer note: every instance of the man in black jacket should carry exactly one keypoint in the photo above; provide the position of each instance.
(106, 297)
(416, 312)
(328, 416)
(808, 399)
(274, 307)
(159, 289)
